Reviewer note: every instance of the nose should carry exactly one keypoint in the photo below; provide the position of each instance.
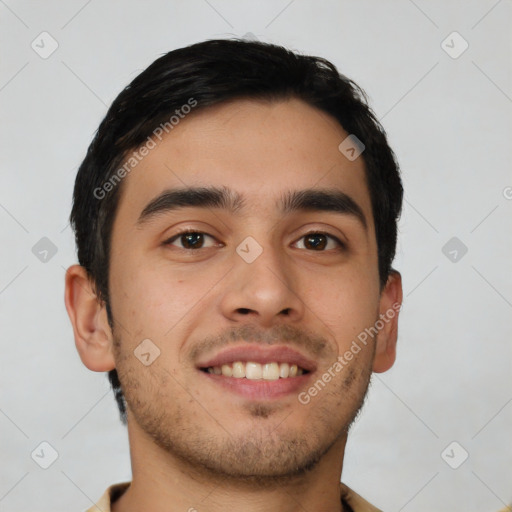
(265, 290)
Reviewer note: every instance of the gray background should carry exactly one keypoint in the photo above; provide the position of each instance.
(449, 121)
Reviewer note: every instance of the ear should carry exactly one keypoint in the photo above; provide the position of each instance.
(390, 303)
(93, 336)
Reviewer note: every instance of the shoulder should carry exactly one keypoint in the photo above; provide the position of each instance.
(110, 495)
(354, 501)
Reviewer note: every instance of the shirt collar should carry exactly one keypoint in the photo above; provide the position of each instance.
(349, 498)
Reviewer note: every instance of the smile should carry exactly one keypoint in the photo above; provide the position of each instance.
(256, 371)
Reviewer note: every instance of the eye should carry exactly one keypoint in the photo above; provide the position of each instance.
(190, 240)
(318, 241)
(194, 240)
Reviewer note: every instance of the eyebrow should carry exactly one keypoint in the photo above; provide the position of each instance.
(306, 200)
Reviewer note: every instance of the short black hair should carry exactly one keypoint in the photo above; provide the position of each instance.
(205, 74)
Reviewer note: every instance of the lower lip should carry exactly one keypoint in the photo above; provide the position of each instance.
(259, 389)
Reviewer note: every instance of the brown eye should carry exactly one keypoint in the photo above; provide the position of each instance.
(318, 241)
(190, 240)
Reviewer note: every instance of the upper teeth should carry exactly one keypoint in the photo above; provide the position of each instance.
(254, 371)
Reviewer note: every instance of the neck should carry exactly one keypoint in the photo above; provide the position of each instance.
(161, 482)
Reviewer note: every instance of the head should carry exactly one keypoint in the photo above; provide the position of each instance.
(245, 124)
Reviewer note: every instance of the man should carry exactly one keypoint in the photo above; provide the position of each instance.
(235, 219)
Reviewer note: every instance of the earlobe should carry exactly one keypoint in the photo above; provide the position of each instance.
(390, 304)
(93, 336)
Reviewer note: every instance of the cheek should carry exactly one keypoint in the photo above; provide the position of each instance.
(157, 305)
(142, 294)
(347, 303)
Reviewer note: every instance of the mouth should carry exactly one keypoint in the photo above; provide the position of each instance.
(256, 371)
(259, 372)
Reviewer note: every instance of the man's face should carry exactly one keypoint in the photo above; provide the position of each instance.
(251, 286)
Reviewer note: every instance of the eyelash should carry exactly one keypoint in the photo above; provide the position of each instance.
(191, 231)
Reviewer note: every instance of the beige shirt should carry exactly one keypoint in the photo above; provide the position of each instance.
(352, 502)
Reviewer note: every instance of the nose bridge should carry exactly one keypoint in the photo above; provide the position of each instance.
(261, 282)
(261, 263)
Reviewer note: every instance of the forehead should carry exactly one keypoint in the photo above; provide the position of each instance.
(258, 149)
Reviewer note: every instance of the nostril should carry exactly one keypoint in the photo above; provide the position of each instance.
(244, 310)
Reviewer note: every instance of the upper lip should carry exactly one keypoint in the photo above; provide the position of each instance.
(259, 354)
